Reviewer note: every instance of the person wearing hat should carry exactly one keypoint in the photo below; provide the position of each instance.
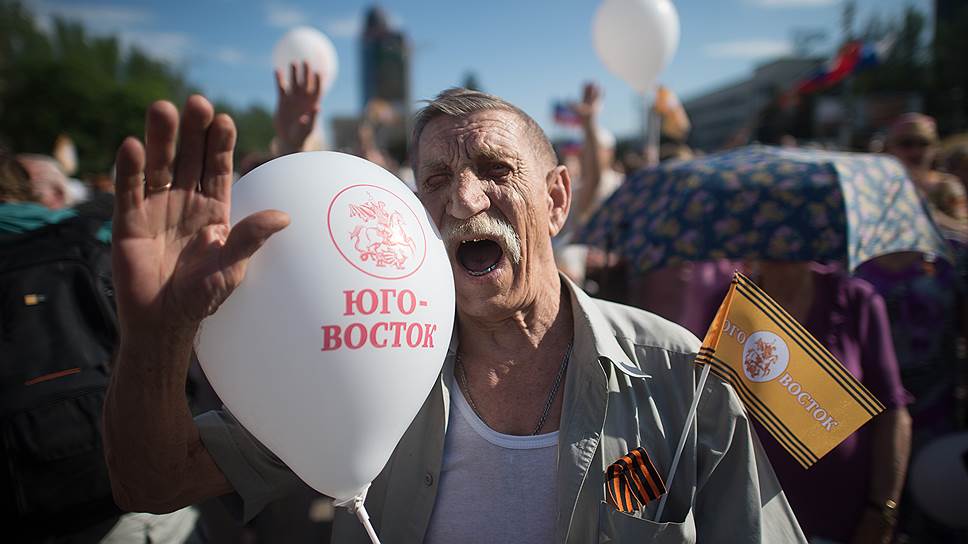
(913, 139)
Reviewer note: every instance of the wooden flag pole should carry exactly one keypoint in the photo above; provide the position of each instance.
(682, 441)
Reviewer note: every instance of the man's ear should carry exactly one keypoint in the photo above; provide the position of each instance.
(559, 198)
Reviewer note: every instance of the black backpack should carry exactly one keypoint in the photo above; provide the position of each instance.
(58, 331)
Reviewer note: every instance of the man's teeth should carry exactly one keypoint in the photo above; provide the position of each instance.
(482, 272)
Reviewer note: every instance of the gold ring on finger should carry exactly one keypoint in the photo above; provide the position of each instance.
(151, 189)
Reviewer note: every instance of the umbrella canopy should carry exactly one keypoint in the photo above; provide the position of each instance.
(766, 203)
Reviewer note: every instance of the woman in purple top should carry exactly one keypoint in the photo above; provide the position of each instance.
(851, 494)
(925, 299)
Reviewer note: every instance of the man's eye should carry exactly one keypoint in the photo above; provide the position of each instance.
(435, 181)
(498, 170)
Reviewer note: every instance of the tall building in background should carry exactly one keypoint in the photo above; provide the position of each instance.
(384, 113)
(386, 63)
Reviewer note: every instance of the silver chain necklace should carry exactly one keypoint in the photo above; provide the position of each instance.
(462, 377)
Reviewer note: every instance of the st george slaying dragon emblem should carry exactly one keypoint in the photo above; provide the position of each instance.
(760, 359)
(382, 236)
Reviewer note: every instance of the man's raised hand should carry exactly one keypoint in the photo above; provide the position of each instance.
(296, 107)
(175, 256)
(591, 103)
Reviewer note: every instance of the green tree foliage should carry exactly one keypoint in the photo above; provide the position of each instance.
(254, 125)
(937, 69)
(90, 88)
(68, 82)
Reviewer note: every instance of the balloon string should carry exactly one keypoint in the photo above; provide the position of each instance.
(355, 506)
(365, 520)
(682, 442)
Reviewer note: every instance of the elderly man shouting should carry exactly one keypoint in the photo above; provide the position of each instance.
(543, 387)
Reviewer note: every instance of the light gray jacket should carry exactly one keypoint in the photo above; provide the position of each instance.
(630, 383)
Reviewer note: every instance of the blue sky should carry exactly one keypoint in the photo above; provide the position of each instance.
(530, 52)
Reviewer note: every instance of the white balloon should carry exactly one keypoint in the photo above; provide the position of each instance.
(939, 479)
(332, 343)
(305, 43)
(636, 39)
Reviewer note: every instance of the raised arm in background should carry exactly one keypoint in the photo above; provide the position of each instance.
(297, 107)
(591, 161)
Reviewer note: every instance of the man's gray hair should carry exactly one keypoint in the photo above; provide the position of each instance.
(460, 102)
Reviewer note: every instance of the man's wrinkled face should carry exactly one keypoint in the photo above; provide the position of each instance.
(482, 181)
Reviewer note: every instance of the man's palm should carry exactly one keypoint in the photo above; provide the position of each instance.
(175, 257)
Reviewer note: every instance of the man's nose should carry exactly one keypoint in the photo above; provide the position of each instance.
(468, 197)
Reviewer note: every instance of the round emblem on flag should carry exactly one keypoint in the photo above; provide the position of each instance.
(765, 356)
(376, 232)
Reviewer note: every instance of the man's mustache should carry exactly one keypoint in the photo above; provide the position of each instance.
(484, 226)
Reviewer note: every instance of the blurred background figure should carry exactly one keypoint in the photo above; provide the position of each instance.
(868, 469)
(55, 264)
(688, 294)
(58, 334)
(15, 183)
(593, 181)
(675, 151)
(913, 139)
(926, 301)
(47, 180)
(955, 161)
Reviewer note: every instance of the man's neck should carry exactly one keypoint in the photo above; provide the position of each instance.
(524, 333)
(507, 367)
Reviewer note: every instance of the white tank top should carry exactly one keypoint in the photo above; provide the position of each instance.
(493, 487)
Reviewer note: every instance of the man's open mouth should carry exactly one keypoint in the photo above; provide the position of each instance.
(479, 257)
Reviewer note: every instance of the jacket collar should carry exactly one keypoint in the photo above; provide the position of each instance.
(603, 346)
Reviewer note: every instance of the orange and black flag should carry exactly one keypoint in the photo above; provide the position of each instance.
(633, 481)
(796, 388)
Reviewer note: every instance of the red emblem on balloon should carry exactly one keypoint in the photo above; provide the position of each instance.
(376, 232)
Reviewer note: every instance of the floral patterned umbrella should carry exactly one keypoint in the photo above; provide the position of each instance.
(765, 203)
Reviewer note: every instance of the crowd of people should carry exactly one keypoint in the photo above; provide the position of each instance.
(898, 323)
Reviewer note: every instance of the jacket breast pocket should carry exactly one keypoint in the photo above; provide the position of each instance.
(619, 527)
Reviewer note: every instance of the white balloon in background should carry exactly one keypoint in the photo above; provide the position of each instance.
(939, 479)
(636, 39)
(330, 346)
(305, 43)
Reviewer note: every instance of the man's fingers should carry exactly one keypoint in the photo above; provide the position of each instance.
(280, 84)
(317, 86)
(219, 146)
(304, 82)
(161, 124)
(309, 77)
(250, 233)
(196, 118)
(311, 117)
(129, 177)
(293, 77)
